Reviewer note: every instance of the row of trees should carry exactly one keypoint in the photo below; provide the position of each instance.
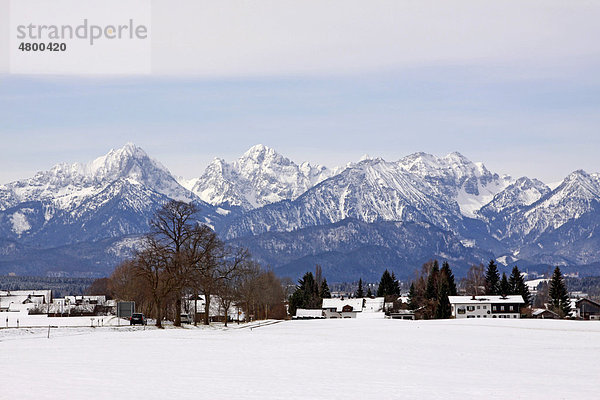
(181, 259)
(429, 292)
(555, 295)
(388, 286)
(515, 285)
(310, 292)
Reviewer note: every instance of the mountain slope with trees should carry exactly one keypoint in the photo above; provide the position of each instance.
(356, 221)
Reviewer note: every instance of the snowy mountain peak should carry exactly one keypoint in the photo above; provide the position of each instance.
(523, 192)
(471, 184)
(128, 161)
(260, 176)
(430, 165)
(68, 185)
(581, 184)
(261, 157)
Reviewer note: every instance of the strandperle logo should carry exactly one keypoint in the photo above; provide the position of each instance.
(85, 31)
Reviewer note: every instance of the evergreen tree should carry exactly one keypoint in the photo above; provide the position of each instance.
(325, 293)
(513, 280)
(518, 286)
(388, 285)
(360, 293)
(412, 297)
(446, 272)
(442, 309)
(295, 301)
(395, 288)
(492, 279)
(431, 290)
(306, 294)
(559, 297)
(369, 293)
(383, 282)
(504, 286)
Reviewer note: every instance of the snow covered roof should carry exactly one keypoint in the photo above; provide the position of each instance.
(577, 301)
(45, 293)
(373, 305)
(539, 311)
(305, 313)
(338, 304)
(485, 299)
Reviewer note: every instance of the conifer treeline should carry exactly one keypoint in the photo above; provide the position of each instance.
(429, 292)
(515, 285)
(433, 285)
(309, 292)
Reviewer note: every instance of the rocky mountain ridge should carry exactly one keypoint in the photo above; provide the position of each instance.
(291, 215)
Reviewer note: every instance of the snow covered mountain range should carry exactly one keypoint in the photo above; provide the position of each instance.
(82, 219)
(260, 177)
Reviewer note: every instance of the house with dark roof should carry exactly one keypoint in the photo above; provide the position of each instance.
(586, 309)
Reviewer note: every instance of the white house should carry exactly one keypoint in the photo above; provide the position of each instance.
(342, 308)
(23, 300)
(486, 306)
(373, 304)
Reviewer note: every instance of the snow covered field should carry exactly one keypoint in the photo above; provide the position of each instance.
(321, 359)
(24, 320)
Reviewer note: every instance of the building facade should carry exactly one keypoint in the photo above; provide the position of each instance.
(585, 309)
(486, 306)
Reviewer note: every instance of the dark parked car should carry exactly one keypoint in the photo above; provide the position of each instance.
(138, 319)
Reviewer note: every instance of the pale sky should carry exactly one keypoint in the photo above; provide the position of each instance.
(513, 84)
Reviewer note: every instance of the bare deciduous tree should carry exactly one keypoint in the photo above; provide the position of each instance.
(474, 283)
(155, 266)
(173, 225)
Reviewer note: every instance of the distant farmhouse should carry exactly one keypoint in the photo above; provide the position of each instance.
(486, 306)
(344, 308)
(340, 308)
(23, 300)
(543, 313)
(585, 309)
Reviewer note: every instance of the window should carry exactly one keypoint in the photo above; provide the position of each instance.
(470, 308)
(484, 307)
(478, 307)
(514, 316)
(494, 308)
(485, 316)
(479, 316)
(502, 308)
(461, 310)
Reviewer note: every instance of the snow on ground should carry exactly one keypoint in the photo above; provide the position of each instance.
(318, 359)
(24, 320)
